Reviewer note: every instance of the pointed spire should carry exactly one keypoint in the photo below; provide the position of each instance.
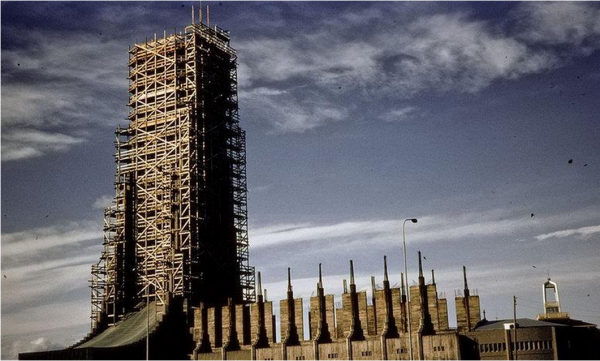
(259, 285)
(289, 280)
(351, 272)
(432, 277)
(420, 266)
(465, 277)
(385, 271)
(320, 277)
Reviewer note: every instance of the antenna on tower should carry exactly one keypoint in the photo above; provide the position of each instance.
(207, 16)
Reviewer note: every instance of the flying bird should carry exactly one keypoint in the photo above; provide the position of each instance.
(532, 214)
(570, 161)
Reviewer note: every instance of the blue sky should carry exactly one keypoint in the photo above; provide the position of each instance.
(358, 115)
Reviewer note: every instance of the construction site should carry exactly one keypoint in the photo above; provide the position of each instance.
(174, 280)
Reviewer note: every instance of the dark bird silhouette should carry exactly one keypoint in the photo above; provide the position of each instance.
(570, 161)
(5, 277)
(534, 267)
(46, 216)
(533, 215)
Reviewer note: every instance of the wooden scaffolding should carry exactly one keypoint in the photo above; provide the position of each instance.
(178, 225)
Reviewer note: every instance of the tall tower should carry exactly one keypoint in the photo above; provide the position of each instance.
(178, 224)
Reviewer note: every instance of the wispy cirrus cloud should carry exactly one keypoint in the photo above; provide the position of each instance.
(27, 143)
(287, 112)
(45, 280)
(50, 90)
(14, 244)
(431, 52)
(580, 232)
(42, 266)
(103, 202)
(431, 228)
(400, 114)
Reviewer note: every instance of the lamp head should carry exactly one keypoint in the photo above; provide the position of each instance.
(414, 220)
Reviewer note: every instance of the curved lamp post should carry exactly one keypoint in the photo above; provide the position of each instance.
(413, 220)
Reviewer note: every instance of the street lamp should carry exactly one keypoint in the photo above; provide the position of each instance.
(413, 220)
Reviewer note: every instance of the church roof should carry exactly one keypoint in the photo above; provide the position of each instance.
(522, 322)
(128, 331)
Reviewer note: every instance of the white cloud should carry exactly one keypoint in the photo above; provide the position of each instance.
(431, 52)
(36, 345)
(39, 239)
(41, 266)
(103, 202)
(293, 233)
(51, 87)
(33, 105)
(400, 114)
(432, 228)
(290, 114)
(47, 281)
(441, 51)
(561, 23)
(581, 232)
(452, 52)
(54, 315)
(26, 143)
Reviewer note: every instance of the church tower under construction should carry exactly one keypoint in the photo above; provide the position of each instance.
(178, 223)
